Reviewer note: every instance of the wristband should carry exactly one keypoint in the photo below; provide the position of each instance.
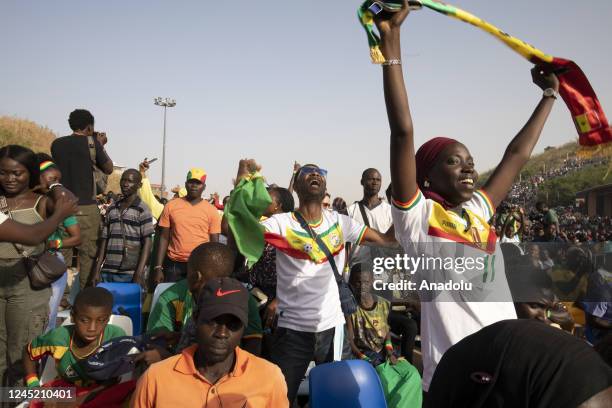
(32, 381)
(392, 62)
(362, 356)
(389, 345)
(57, 243)
(158, 267)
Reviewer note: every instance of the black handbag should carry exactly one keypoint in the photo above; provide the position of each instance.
(347, 299)
(43, 269)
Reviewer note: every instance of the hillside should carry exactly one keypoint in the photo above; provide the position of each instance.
(560, 190)
(26, 133)
(552, 156)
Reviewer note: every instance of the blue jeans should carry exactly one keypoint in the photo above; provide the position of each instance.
(293, 351)
(57, 291)
(174, 271)
(117, 277)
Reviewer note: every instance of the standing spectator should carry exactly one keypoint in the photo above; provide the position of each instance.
(67, 235)
(126, 236)
(74, 155)
(376, 211)
(24, 311)
(436, 204)
(308, 301)
(184, 224)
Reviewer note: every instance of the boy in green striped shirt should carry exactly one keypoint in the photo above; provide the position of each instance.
(72, 343)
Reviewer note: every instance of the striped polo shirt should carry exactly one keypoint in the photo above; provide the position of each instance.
(137, 225)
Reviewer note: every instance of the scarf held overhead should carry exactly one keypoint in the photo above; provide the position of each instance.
(591, 123)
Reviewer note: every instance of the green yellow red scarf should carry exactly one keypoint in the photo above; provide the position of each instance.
(594, 132)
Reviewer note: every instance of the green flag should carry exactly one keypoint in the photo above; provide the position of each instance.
(243, 211)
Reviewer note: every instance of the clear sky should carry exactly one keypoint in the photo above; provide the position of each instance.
(280, 81)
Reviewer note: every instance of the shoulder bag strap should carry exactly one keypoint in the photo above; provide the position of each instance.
(320, 243)
(366, 221)
(5, 209)
(91, 146)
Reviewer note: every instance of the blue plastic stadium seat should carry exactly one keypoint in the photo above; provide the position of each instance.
(346, 384)
(127, 301)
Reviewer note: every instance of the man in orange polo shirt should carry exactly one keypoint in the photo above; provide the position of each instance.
(215, 372)
(184, 224)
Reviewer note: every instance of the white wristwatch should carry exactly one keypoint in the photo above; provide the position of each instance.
(549, 93)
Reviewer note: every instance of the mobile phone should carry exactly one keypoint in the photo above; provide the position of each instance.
(152, 160)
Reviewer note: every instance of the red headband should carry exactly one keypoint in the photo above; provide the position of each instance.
(426, 156)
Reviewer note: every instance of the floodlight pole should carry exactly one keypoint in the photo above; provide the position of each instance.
(165, 103)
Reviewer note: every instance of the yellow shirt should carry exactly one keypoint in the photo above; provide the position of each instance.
(146, 195)
(175, 382)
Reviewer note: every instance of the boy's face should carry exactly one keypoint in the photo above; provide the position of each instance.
(362, 282)
(90, 321)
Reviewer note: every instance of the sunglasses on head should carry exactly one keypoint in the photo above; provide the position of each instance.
(310, 170)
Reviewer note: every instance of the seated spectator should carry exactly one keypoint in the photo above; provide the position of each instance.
(370, 339)
(172, 314)
(368, 327)
(70, 344)
(215, 371)
(125, 246)
(520, 363)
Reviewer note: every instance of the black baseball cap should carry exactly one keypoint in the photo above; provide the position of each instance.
(223, 296)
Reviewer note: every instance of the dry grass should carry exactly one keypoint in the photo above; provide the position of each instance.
(25, 133)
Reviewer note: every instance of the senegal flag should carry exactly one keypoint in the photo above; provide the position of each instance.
(243, 211)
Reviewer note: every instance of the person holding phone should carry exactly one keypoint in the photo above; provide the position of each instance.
(145, 192)
(75, 156)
